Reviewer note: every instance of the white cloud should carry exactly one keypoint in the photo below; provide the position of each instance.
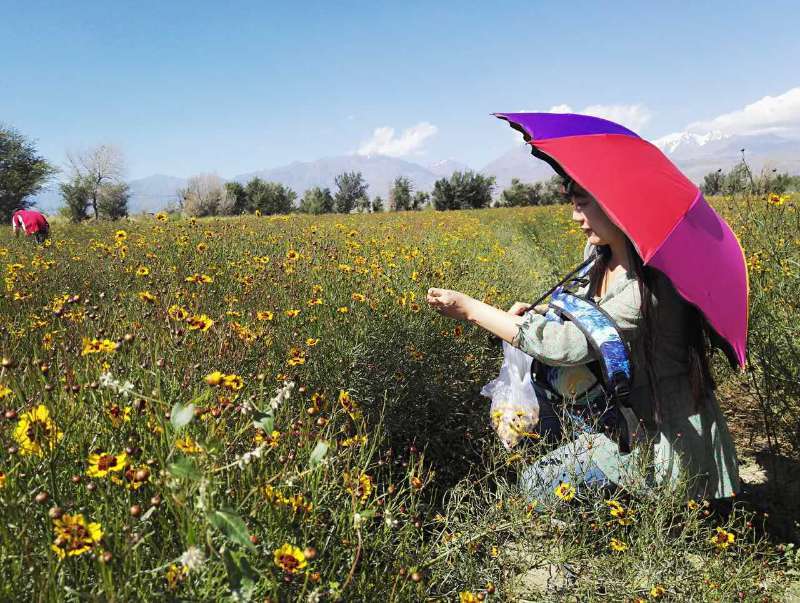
(776, 114)
(384, 141)
(562, 108)
(634, 117)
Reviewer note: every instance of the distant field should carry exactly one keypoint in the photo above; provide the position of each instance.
(265, 408)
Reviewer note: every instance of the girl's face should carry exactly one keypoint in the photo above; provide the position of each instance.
(592, 220)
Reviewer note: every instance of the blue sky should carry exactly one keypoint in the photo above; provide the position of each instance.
(232, 87)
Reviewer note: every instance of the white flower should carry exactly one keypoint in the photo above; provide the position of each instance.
(193, 558)
(107, 380)
(391, 522)
(357, 519)
(250, 455)
(126, 389)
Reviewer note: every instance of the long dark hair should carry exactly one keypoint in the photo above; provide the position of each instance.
(700, 378)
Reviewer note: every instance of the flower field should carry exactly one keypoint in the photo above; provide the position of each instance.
(264, 408)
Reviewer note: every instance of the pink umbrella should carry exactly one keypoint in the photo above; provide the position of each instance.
(661, 211)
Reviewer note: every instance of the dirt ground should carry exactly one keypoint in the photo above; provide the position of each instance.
(770, 479)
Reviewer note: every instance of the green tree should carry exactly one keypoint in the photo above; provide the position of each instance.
(204, 195)
(351, 189)
(236, 198)
(553, 191)
(22, 172)
(521, 194)
(712, 182)
(421, 199)
(377, 204)
(463, 190)
(737, 180)
(97, 168)
(113, 201)
(400, 194)
(317, 200)
(269, 197)
(76, 195)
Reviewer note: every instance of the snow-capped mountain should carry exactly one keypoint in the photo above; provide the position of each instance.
(681, 142)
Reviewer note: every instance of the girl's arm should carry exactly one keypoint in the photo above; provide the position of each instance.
(463, 307)
(496, 321)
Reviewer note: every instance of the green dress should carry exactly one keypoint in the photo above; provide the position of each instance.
(686, 441)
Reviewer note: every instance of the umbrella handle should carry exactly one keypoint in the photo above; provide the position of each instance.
(581, 266)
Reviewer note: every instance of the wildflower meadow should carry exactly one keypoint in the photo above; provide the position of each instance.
(264, 408)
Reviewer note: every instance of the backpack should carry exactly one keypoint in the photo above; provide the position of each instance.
(603, 381)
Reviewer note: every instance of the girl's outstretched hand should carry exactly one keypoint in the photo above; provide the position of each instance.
(449, 303)
(519, 308)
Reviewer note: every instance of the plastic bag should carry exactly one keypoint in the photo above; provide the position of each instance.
(515, 409)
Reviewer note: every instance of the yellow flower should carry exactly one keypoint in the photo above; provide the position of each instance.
(118, 414)
(199, 279)
(2, 480)
(142, 271)
(215, 378)
(120, 235)
(234, 382)
(101, 464)
(36, 432)
(5, 391)
(343, 310)
(257, 213)
(199, 323)
(292, 313)
(354, 441)
(359, 297)
(565, 491)
(107, 346)
(617, 545)
(657, 591)
(296, 356)
(176, 574)
(201, 247)
(147, 297)
(162, 216)
(289, 558)
(266, 315)
(349, 404)
(775, 199)
(360, 488)
(74, 536)
(133, 478)
(96, 346)
(311, 342)
(187, 445)
(722, 539)
(175, 312)
(468, 597)
(292, 255)
(623, 516)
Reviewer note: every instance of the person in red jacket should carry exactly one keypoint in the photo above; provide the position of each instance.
(31, 223)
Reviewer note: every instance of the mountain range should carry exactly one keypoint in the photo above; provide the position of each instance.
(695, 154)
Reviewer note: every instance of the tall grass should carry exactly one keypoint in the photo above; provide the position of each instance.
(376, 476)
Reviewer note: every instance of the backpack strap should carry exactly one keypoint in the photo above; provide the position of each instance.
(603, 336)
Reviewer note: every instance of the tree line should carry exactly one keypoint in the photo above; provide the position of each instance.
(95, 188)
(740, 179)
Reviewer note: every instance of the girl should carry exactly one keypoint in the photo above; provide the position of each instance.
(681, 429)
